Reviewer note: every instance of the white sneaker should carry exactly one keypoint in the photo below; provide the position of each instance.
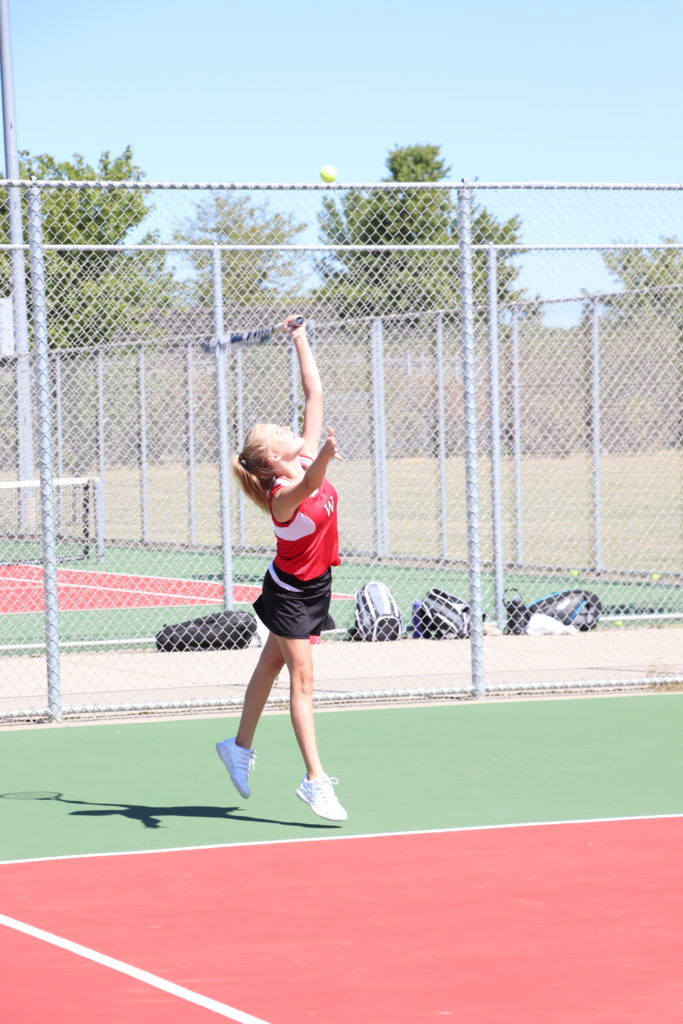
(319, 793)
(239, 761)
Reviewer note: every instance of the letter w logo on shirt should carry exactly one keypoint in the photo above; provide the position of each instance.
(329, 506)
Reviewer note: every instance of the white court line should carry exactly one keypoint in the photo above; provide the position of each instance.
(213, 589)
(133, 972)
(339, 838)
(104, 589)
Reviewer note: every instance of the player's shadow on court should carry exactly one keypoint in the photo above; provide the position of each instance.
(150, 817)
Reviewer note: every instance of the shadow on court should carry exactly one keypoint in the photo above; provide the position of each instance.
(151, 816)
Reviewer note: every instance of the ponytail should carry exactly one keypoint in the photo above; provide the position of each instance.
(251, 467)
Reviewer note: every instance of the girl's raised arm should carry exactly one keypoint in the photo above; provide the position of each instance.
(313, 390)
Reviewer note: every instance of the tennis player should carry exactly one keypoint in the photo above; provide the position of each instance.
(285, 475)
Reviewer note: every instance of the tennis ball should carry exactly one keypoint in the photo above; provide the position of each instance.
(655, 576)
(618, 623)
(328, 173)
(574, 572)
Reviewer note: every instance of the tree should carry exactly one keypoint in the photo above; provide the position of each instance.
(250, 278)
(652, 281)
(373, 281)
(94, 295)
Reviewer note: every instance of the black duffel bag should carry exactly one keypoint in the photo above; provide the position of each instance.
(220, 632)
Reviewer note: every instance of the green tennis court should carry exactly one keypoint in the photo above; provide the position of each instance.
(503, 861)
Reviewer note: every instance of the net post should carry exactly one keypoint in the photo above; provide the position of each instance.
(471, 469)
(44, 416)
(98, 501)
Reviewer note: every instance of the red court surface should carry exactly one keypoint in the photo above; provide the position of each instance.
(565, 923)
(21, 590)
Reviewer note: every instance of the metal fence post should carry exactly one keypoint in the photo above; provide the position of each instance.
(25, 464)
(44, 416)
(191, 489)
(517, 434)
(142, 397)
(471, 454)
(223, 438)
(101, 436)
(596, 436)
(494, 392)
(240, 432)
(379, 438)
(441, 434)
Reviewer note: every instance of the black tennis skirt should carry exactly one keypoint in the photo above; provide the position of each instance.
(296, 613)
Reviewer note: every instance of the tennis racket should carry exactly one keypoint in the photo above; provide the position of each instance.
(258, 337)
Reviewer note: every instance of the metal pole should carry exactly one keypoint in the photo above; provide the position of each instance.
(101, 444)
(441, 433)
(223, 441)
(471, 454)
(239, 426)
(379, 439)
(517, 435)
(142, 392)
(494, 391)
(25, 465)
(596, 436)
(44, 414)
(59, 439)
(191, 489)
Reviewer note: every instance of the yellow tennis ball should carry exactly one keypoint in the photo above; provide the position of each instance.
(328, 173)
(574, 572)
(655, 576)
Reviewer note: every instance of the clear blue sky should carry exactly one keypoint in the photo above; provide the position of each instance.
(205, 90)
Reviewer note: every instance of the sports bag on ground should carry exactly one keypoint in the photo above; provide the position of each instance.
(223, 631)
(378, 617)
(442, 616)
(518, 614)
(577, 608)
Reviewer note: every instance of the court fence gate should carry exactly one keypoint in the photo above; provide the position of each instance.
(507, 392)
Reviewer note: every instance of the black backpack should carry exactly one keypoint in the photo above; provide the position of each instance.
(577, 608)
(518, 614)
(442, 616)
(223, 631)
(377, 616)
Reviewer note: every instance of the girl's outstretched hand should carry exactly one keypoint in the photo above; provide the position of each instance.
(294, 329)
(330, 446)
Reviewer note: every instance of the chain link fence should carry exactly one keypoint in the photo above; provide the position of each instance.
(504, 374)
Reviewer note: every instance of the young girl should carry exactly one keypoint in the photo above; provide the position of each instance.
(282, 473)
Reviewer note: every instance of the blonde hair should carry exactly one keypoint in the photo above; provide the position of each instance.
(251, 466)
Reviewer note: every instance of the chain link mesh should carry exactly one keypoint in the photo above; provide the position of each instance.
(546, 458)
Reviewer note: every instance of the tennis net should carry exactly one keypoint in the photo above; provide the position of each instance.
(78, 516)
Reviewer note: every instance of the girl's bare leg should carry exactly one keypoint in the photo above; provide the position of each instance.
(264, 675)
(299, 660)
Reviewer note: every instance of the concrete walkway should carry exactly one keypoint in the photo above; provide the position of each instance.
(347, 670)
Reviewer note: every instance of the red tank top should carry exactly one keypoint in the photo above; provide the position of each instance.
(308, 544)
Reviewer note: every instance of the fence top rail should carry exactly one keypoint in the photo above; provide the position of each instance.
(453, 246)
(387, 186)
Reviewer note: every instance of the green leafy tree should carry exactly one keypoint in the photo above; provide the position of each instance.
(95, 296)
(250, 278)
(372, 282)
(652, 281)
